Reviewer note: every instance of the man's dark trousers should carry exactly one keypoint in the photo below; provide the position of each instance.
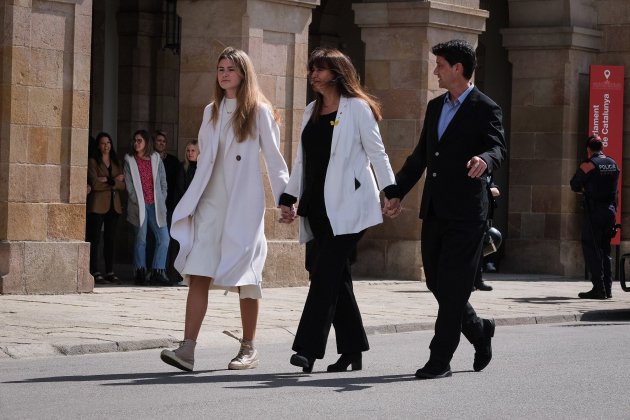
(451, 250)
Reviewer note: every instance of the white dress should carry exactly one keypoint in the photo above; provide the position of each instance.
(243, 242)
(209, 217)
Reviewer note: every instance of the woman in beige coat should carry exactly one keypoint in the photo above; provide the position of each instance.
(219, 222)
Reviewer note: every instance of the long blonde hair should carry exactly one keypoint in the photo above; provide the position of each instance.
(346, 79)
(248, 95)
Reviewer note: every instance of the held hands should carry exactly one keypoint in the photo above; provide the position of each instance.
(392, 208)
(476, 167)
(120, 178)
(287, 214)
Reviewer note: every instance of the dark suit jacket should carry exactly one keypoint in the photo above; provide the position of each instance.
(475, 130)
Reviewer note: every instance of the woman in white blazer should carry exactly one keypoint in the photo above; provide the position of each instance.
(338, 201)
(219, 222)
(145, 179)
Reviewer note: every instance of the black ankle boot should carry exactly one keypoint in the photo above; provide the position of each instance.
(347, 359)
(159, 277)
(140, 276)
(481, 285)
(593, 294)
(305, 362)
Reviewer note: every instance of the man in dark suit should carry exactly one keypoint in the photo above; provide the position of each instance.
(461, 141)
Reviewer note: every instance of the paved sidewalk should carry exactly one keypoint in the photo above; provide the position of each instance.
(122, 318)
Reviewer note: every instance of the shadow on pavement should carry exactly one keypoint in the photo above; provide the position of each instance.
(546, 300)
(248, 381)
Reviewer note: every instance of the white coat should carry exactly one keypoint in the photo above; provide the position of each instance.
(243, 242)
(356, 143)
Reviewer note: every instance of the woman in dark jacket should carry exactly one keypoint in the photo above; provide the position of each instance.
(190, 162)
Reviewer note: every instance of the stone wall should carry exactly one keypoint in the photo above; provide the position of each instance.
(43, 146)
(550, 45)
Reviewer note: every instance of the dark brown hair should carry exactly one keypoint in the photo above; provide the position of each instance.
(345, 78)
(148, 143)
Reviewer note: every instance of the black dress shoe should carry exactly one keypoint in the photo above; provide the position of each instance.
(593, 294)
(608, 294)
(482, 286)
(434, 370)
(347, 359)
(305, 362)
(483, 349)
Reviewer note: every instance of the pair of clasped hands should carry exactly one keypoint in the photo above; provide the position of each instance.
(391, 207)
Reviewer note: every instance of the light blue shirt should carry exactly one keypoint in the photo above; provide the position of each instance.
(449, 109)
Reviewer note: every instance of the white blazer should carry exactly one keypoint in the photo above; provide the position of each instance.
(356, 143)
(243, 242)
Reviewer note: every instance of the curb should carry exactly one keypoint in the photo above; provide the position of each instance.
(46, 350)
(22, 351)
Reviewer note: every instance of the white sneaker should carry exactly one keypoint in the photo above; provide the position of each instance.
(182, 357)
(247, 357)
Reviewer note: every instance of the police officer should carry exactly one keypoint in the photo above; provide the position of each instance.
(597, 179)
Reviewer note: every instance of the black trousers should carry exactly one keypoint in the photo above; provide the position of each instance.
(330, 299)
(451, 251)
(94, 224)
(596, 229)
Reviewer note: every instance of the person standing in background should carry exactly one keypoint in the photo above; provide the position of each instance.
(597, 178)
(173, 169)
(190, 162)
(493, 194)
(145, 179)
(104, 206)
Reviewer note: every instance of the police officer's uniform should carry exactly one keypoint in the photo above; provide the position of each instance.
(597, 178)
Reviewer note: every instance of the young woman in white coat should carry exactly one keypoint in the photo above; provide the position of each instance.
(145, 179)
(219, 222)
(338, 201)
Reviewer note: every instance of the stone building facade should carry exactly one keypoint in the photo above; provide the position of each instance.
(72, 68)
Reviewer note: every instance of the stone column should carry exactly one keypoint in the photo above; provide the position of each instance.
(274, 33)
(43, 146)
(399, 67)
(551, 45)
(148, 75)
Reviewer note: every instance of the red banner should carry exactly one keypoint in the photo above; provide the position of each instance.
(606, 117)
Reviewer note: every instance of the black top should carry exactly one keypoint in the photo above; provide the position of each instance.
(189, 174)
(316, 144)
(173, 168)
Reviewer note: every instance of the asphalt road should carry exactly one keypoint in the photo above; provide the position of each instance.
(559, 371)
